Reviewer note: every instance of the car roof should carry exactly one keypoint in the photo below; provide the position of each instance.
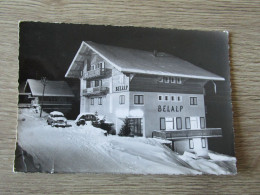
(56, 113)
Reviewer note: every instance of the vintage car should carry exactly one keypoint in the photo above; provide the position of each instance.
(57, 119)
(84, 117)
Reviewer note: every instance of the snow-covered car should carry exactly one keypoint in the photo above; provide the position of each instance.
(83, 117)
(57, 119)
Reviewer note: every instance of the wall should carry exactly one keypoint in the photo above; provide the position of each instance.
(152, 115)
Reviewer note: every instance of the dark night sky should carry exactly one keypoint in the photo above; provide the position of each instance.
(48, 49)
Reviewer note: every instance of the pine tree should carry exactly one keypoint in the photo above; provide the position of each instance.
(125, 130)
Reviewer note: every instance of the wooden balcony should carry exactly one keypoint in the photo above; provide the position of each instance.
(95, 91)
(94, 73)
(184, 134)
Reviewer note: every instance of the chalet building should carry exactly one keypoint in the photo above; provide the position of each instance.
(58, 95)
(162, 95)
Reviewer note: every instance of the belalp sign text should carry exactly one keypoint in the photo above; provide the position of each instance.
(167, 108)
(121, 88)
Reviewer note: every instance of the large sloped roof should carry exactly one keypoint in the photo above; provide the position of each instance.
(143, 62)
(52, 88)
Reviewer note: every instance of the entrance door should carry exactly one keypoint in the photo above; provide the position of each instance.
(169, 123)
(194, 122)
(136, 126)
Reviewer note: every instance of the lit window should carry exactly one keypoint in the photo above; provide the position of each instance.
(191, 144)
(121, 99)
(166, 79)
(193, 101)
(179, 80)
(187, 122)
(162, 124)
(203, 142)
(173, 80)
(92, 101)
(202, 122)
(179, 123)
(138, 99)
(160, 98)
(166, 98)
(100, 101)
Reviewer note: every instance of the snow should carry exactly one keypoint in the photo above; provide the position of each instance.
(57, 113)
(87, 149)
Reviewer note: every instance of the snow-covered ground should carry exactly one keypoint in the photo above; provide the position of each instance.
(87, 149)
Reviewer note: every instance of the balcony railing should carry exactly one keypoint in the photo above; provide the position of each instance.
(95, 91)
(181, 134)
(94, 73)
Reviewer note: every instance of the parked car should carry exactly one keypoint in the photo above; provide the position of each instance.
(83, 117)
(57, 119)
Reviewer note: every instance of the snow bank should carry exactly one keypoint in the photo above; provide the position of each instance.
(87, 149)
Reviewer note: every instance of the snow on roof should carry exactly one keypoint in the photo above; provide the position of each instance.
(141, 62)
(56, 113)
(52, 88)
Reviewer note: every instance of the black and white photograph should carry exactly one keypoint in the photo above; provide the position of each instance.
(125, 100)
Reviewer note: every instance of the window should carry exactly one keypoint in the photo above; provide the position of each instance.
(121, 99)
(202, 122)
(98, 83)
(193, 101)
(179, 98)
(166, 98)
(138, 99)
(179, 123)
(92, 84)
(166, 79)
(101, 65)
(162, 124)
(172, 98)
(160, 79)
(191, 144)
(179, 80)
(203, 142)
(160, 98)
(187, 122)
(92, 101)
(173, 80)
(100, 101)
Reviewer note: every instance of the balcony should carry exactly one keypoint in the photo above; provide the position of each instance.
(95, 91)
(94, 73)
(184, 134)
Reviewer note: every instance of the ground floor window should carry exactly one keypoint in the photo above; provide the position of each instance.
(100, 101)
(191, 144)
(136, 126)
(179, 123)
(121, 99)
(187, 122)
(162, 123)
(92, 101)
(203, 142)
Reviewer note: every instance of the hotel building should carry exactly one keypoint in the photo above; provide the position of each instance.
(162, 95)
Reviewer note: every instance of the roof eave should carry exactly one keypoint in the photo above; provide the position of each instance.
(215, 78)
